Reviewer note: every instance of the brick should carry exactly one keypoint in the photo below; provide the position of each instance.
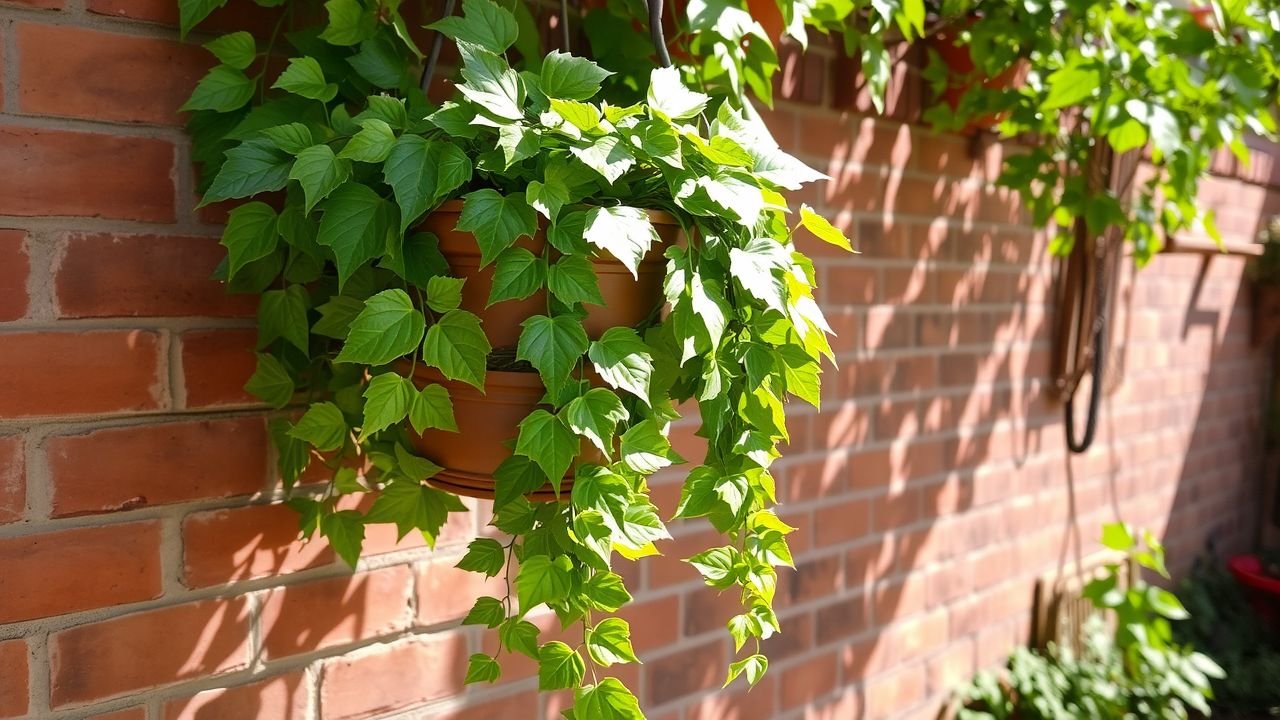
(136, 466)
(393, 677)
(746, 704)
(223, 546)
(37, 4)
(808, 681)
(14, 680)
(233, 16)
(147, 649)
(133, 713)
(514, 706)
(684, 673)
(215, 366)
(839, 522)
(283, 697)
(314, 615)
(62, 172)
(72, 570)
(109, 275)
(14, 268)
(83, 73)
(446, 594)
(67, 373)
(13, 479)
(890, 694)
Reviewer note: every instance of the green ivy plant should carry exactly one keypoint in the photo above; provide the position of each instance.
(333, 164)
(1130, 667)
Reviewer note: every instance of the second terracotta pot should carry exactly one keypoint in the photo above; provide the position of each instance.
(628, 301)
(488, 424)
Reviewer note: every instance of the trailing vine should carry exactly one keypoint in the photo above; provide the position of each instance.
(340, 167)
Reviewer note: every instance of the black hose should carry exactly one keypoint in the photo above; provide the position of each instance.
(1095, 395)
(655, 32)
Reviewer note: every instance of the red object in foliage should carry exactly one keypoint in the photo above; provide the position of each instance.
(1203, 15)
(959, 60)
(1262, 589)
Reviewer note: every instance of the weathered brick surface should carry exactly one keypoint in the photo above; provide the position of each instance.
(142, 575)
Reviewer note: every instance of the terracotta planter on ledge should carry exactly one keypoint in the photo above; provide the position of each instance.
(628, 301)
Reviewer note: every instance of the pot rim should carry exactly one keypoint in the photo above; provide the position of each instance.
(658, 217)
(514, 379)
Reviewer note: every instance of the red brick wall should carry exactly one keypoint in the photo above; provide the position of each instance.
(144, 572)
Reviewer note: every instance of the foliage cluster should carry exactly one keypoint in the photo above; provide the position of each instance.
(1131, 666)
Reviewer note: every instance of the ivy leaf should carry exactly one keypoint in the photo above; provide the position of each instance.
(372, 144)
(594, 540)
(487, 611)
(292, 455)
(223, 89)
(458, 347)
(380, 62)
(303, 77)
(753, 267)
(390, 110)
(669, 96)
(236, 49)
(570, 77)
(252, 167)
(595, 416)
(322, 426)
(583, 116)
(421, 172)
(432, 408)
(519, 636)
(354, 226)
(412, 505)
(547, 196)
(386, 401)
(605, 591)
(717, 566)
(319, 173)
(623, 360)
(270, 382)
(444, 293)
(283, 314)
(541, 580)
(546, 440)
(517, 275)
(388, 327)
(419, 260)
(1071, 85)
(609, 643)
(824, 230)
(559, 666)
(645, 449)
(483, 23)
(250, 234)
(345, 532)
(192, 12)
(573, 280)
(553, 346)
(517, 143)
(484, 555)
(516, 477)
(754, 667)
(482, 668)
(608, 700)
(800, 371)
(292, 138)
(490, 82)
(336, 317)
(607, 155)
(349, 23)
(626, 232)
(496, 221)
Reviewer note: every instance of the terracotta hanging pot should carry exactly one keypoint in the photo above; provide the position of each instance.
(628, 301)
(959, 60)
(488, 423)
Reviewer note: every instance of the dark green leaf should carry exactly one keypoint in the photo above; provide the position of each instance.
(345, 532)
(541, 580)
(570, 77)
(305, 78)
(319, 173)
(432, 408)
(336, 317)
(422, 173)
(517, 275)
(386, 401)
(251, 167)
(482, 668)
(496, 221)
(553, 346)
(595, 415)
(372, 144)
(444, 293)
(270, 382)
(485, 556)
(250, 234)
(283, 314)
(623, 361)
(236, 49)
(354, 226)
(322, 426)
(483, 23)
(458, 347)
(292, 138)
(573, 280)
(388, 327)
(223, 89)
(349, 23)
(519, 636)
(546, 440)
(487, 611)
